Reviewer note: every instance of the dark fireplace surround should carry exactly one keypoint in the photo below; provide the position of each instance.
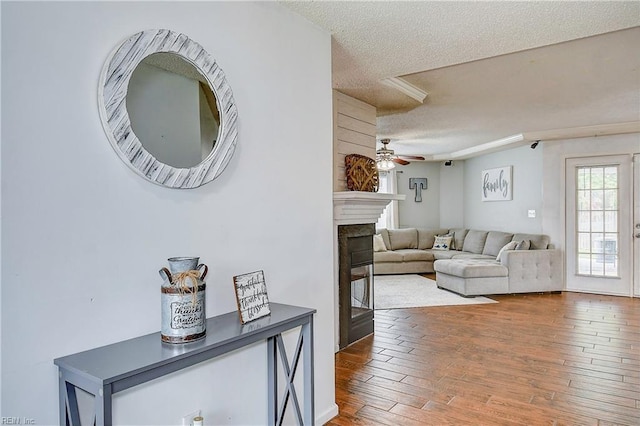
(355, 284)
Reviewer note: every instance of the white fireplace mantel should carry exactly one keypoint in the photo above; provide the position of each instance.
(356, 207)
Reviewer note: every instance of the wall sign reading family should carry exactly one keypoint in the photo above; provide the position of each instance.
(496, 184)
(251, 295)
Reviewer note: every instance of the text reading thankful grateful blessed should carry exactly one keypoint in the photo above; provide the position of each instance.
(251, 291)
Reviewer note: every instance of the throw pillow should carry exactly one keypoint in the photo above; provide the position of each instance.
(452, 246)
(523, 245)
(442, 242)
(378, 243)
(509, 246)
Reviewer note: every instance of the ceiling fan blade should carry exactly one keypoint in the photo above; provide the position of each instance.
(401, 161)
(412, 157)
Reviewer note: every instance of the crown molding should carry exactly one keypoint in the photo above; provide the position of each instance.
(406, 88)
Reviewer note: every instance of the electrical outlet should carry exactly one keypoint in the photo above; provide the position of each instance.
(188, 419)
(531, 214)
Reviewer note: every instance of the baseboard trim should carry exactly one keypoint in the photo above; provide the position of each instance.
(327, 415)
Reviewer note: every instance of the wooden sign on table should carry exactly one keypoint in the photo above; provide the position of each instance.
(251, 295)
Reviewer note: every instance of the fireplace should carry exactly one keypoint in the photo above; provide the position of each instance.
(355, 284)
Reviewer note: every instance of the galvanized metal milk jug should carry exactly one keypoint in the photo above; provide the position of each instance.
(183, 300)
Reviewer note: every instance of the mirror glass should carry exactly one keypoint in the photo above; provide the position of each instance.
(173, 110)
(167, 109)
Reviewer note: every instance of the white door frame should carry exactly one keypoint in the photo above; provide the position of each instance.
(636, 224)
(622, 286)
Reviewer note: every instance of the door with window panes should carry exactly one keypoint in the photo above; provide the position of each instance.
(599, 214)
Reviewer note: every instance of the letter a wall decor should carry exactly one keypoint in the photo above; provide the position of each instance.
(496, 184)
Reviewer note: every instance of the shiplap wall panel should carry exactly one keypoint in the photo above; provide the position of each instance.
(347, 122)
(344, 148)
(358, 110)
(353, 137)
(354, 132)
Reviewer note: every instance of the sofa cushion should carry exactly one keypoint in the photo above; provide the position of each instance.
(458, 238)
(442, 242)
(378, 243)
(474, 241)
(538, 241)
(471, 268)
(495, 241)
(387, 256)
(413, 255)
(426, 237)
(385, 237)
(403, 238)
(523, 245)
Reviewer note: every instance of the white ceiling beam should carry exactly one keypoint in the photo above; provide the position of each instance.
(485, 148)
(542, 135)
(584, 131)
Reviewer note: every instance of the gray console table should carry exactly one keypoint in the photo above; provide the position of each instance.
(110, 369)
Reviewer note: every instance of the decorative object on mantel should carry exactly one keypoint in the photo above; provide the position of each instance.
(496, 184)
(183, 300)
(251, 296)
(361, 172)
(418, 184)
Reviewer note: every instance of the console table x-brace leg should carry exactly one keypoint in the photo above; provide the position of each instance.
(290, 373)
(69, 413)
(275, 345)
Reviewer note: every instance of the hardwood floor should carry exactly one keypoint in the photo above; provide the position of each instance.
(551, 359)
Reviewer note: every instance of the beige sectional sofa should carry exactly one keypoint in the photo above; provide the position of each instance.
(470, 266)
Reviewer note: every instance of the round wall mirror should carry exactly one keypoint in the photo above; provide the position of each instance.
(167, 109)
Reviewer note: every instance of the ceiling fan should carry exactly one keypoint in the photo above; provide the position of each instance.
(385, 157)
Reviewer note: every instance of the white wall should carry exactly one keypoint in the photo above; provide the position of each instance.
(83, 236)
(425, 214)
(452, 195)
(509, 216)
(555, 155)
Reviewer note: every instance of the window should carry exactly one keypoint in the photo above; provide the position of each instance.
(597, 196)
(387, 185)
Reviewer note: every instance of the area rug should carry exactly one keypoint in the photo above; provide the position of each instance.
(412, 291)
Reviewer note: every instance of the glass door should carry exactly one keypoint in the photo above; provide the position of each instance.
(599, 241)
(361, 290)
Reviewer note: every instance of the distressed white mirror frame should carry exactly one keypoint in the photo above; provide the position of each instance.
(112, 93)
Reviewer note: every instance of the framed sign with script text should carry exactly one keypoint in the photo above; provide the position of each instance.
(496, 184)
(251, 295)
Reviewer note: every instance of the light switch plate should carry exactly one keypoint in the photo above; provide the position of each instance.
(532, 213)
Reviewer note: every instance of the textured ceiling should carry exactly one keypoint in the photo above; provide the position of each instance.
(492, 69)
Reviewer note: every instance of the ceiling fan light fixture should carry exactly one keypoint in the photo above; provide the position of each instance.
(384, 157)
(385, 164)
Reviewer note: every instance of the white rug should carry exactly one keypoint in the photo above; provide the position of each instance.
(412, 291)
